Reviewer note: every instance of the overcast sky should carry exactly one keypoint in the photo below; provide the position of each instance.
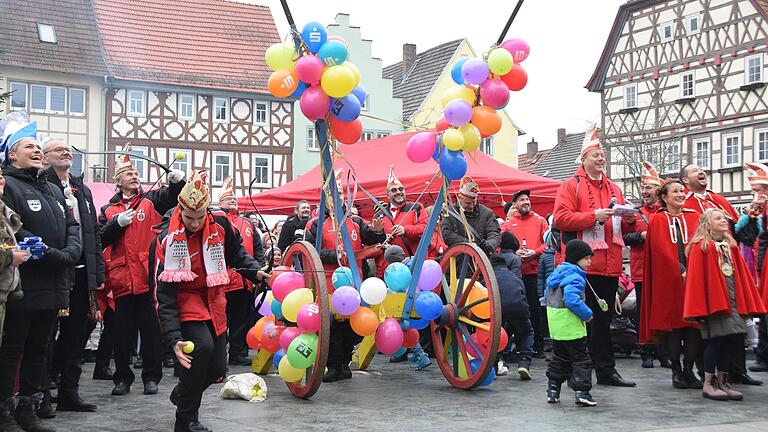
(566, 39)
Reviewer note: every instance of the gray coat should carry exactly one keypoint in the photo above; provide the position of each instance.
(481, 219)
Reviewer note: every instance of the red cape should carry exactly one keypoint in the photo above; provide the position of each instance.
(712, 200)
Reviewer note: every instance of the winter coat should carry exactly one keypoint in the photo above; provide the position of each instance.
(567, 312)
(288, 234)
(529, 229)
(514, 304)
(413, 219)
(636, 242)
(43, 212)
(10, 278)
(513, 261)
(487, 232)
(546, 267)
(251, 243)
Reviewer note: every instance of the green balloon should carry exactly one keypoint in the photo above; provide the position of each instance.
(302, 351)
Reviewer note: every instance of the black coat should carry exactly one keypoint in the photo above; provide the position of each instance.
(514, 304)
(89, 227)
(288, 232)
(43, 211)
(481, 219)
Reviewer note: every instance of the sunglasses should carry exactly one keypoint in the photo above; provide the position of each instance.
(396, 189)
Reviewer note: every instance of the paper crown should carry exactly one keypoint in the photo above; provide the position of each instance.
(392, 178)
(591, 142)
(13, 128)
(650, 176)
(124, 163)
(759, 174)
(227, 188)
(468, 188)
(194, 195)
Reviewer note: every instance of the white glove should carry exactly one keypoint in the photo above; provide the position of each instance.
(125, 218)
(176, 176)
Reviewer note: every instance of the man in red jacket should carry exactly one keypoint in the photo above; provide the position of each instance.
(699, 198)
(529, 228)
(584, 210)
(127, 234)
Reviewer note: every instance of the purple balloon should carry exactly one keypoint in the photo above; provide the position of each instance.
(345, 300)
(431, 275)
(458, 112)
(389, 336)
(474, 71)
(266, 308)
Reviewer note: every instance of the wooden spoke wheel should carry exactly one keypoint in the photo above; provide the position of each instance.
(304, 259)
(463, 265)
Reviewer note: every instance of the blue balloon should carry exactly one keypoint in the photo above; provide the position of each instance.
(276, 357)
(438, 148)
(428, 305)
(456, 71)
(400, 352)
(277, 309)
(333, 53)
(360, 94)
(342, 276)
(346, 109)
(475, 365)
(299, 90)
(397, 276)
(314, 35)
(453, 164)
(419, 324)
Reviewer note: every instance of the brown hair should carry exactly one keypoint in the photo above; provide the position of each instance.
(703, 232)
(664, 190)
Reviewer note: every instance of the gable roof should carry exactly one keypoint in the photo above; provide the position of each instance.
(416, 85)
(528, 164)
(201, 43)
(559, 163)
(77, 50)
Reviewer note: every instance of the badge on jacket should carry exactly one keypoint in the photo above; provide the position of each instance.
(34, 205)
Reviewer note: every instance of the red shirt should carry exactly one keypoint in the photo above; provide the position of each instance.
(637, 251)
(530, 228)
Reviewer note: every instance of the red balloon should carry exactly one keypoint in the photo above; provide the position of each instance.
(250, 339)
(346, 132)
(270, 340)
(442, 124)
(516, 79)
(277, 271)
(410, 338)
(483, 340)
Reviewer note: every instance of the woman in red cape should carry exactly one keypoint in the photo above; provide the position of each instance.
(719, 294)
(664, 274)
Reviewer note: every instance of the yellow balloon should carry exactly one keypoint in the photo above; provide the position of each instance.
(281, 56)
(337, 81)
(355, 71)
(500, 61)
(288, 372)
(294, 301)
(471, 137)
(459, 92)
(453, 139)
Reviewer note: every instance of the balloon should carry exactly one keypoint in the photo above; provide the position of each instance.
(410, 337)
(277, 357)
(486, 120)
(288, 335)
(267, 326)
(470, 349)
(431, 275)
(266, 305)
(309, 317)
(347, 133)
(277, 271)
(302, 351)
(459, 92)
(285, 283)
(516, 79)
(421, 146)
(309, 69)
(340, 39)
(373, 291)
(299, 90)
(474, 71)
(453, 139)
(288, 372)
(333, 53)
(258, 328)
(438, 148)
(250, 339)
(494, 93)
(453, 164)
(360, 94)
(482, 310)
(419, 324)
(270, 340)
(428, 305)
(338, 81)
(345, 300)
(400, 352)
(389, 336)
(346, 108)
(364, 321)
(456, 70)
(475, 365)
(314, 36)
(314, 103)
(442, 124)
(484, 340)
(397, 277)
(277, 309)
(518, 48)
(280, 56)
(471, 137)
(342, 276)
(282, 83)
(294, 301)
(355, 73)
(458, 112)
(500, 61)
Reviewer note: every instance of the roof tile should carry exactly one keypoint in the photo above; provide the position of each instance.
(559, 163)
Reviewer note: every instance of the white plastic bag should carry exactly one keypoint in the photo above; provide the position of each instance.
(248, 386)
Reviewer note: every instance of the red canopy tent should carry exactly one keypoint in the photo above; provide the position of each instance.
(370, 162)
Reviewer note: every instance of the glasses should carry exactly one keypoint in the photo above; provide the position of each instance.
(396, 189)
(60, 150)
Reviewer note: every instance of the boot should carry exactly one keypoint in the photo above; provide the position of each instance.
(553, 391)
(25, 414)
(693, 381)
(679, 380)
(711, 388)
(733, 394)
(7, 421)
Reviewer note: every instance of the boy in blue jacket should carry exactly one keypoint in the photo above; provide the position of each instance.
(568, 314)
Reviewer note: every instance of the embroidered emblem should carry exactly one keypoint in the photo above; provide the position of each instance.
(34, 205)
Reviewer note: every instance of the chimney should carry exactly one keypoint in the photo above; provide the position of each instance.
(533, 148)
(561, 136)
(409, 57)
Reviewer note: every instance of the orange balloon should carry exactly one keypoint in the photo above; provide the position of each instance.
(486, 120)
(364, 321)
(258, 328)
(282, 83)
(482, 310)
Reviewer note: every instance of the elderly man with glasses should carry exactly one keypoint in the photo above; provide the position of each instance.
(482, 222)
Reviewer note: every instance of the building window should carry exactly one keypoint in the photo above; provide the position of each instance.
(366, 103)
(48, 99)
(186, 107)
(312, 140)
(367, 136)
(181, 165)
(222, 163)
(667, 31)
(46, 33)
(753, 69)
(18, 96)
(262, 170)
(701, 153)
(732, 150)
(761, 145)
(38, 97)
(58, 100)
(672, 163)
(77, 164)
(630, 96)
(76, 101)
(136, 104)
(260, 113)
(688, 85)
(141, 164)
(693, 23)
(220, 110)
(383, 134)
(487, 146)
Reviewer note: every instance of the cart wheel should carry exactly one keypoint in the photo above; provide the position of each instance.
(305, 259)
(464, 264)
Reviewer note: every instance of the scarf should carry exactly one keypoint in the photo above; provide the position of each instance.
(595, 236)
(177, 263)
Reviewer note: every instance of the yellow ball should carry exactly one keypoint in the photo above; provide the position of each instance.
(453, 139)
(338, 81)
(471, 137)
(179, 156)
(458, 92)
(188, 347)
(288, 372)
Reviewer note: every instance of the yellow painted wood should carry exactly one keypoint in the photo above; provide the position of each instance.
(466, 320)
(365, 352)
(262, 362)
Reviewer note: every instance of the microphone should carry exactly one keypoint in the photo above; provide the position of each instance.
(613, 203)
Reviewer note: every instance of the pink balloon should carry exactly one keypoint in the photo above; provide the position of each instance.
(518, 48)
(285, 283)
(314, 103)
(494, 93)
(308, 318)
(389, 336)
(309, 69)
(288, 335)
(421, 147)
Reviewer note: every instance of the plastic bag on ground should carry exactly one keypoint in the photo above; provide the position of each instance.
(248, 386)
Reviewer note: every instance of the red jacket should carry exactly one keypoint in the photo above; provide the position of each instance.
(413, 219)
(575, 203)
(699, 204)
(530, 228)
(636, 243)
(250, 239)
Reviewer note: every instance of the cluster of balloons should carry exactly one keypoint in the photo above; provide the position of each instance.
(469, 107)
(321, 78)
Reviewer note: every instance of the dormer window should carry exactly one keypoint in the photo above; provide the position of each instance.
(46, 33)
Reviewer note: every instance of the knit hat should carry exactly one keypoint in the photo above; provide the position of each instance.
(759, 173)
(650, 175)
(123, 163)
(227, 188)
(577, 249)
(194, 195)
(591, 142)
(392, 178)
(509, 241)
(468, 188)
(394, 254)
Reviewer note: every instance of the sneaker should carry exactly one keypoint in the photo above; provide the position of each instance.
(523, 369)
(553, 391)
(422, 362)
(584, 399)
(102, 373)
(501, 369)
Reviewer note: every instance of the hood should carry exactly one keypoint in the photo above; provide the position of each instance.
(562, 271)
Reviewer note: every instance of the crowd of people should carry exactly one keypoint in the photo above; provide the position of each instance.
(165, 278)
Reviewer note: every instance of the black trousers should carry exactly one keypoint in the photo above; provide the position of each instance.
(73, 335)
(209, 364)
(737, 355)
(532, 296)
(646, 350)
(341, 345)
(761, 351)
(719, 352)
(137, 312)
(599, 329)
(106, 340)
(571, 362)
(239, 304)
(27, 334)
